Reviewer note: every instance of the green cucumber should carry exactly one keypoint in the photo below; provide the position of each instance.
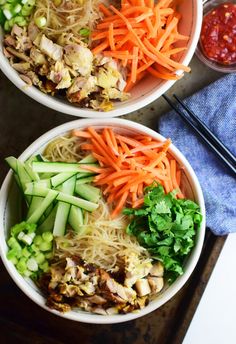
(78, 202)
(34, 204)
(88, 192)
(28, 167)
(57, 167)
(60, 178)
(89, 159)
(48, 223)
(50, 197)
(43, 183)
(12, 162)
(63, 209)
(24, 178)
(84, 180)
(36, 200)
(76, 219)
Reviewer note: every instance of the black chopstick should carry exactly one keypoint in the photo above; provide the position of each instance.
(205, 130)
(206, 138)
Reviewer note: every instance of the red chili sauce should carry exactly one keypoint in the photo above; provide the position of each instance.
(218, 36)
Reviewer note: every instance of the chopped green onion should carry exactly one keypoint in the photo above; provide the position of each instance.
(40, 258)
(44, 266)
(18, 20)
(84, 32)
(45, 246)
(21, 265)
(2, 2)
(14, 260)
(20, 235)
(26, 239)
(11, 22)
(13, 253)
(38, 240)
(27, 273)
(40, 21)
(25, 252)
(48, 255)
(25, 12)
(47, 236)
(34, 248)
(23, 226)
(22, 23)
(17, 9)
(13, 243)
(7, 7)
(32, 265)
(7, 13)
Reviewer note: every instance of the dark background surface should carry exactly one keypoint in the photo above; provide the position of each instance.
(22, 120)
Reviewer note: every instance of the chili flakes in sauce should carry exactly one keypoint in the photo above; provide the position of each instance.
(218, 35)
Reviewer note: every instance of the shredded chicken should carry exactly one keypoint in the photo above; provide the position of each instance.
(66, 65)
(72, 283)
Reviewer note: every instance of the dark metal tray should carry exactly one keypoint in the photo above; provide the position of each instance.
(22, 120)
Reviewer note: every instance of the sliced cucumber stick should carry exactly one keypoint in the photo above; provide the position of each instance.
(63, 209)
(76, 218)
(48, 223)
(60, 178)
(88, 192)
(50, 197)
(58, 167)
(78, 202)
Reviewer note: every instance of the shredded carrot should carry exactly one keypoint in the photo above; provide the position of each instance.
(86, 146)
(99, 48)
(129, 164)
(142, 35)
(134, 64)
(80, 133)
(104, 10)
(120, 204)
(111, 37)
(178, 177)
(137, 203)
(173, 177)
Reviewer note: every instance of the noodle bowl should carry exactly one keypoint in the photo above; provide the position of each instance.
(8, 216)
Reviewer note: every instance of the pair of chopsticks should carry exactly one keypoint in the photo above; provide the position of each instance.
(204, 132)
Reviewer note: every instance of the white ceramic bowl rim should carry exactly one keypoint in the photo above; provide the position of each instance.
(123, 107)
(84, 316)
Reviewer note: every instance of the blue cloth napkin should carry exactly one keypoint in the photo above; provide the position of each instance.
(215, 105)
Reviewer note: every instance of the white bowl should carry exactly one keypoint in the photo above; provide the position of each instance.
(10, 214)
(144, 93)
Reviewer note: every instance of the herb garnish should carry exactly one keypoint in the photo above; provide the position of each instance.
(166, 226)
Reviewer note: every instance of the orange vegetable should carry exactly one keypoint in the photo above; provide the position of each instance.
(142, 35)
(111, 37)
(128, 165)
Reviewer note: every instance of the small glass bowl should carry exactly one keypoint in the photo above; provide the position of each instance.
(209, 5)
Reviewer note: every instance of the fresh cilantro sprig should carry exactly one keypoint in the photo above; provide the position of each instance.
(166, 226)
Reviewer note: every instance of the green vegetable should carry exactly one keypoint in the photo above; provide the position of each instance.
(15, 12)
(29, 252)
(166, 226)
(84, 32)
(40, 21)
(25, 227)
